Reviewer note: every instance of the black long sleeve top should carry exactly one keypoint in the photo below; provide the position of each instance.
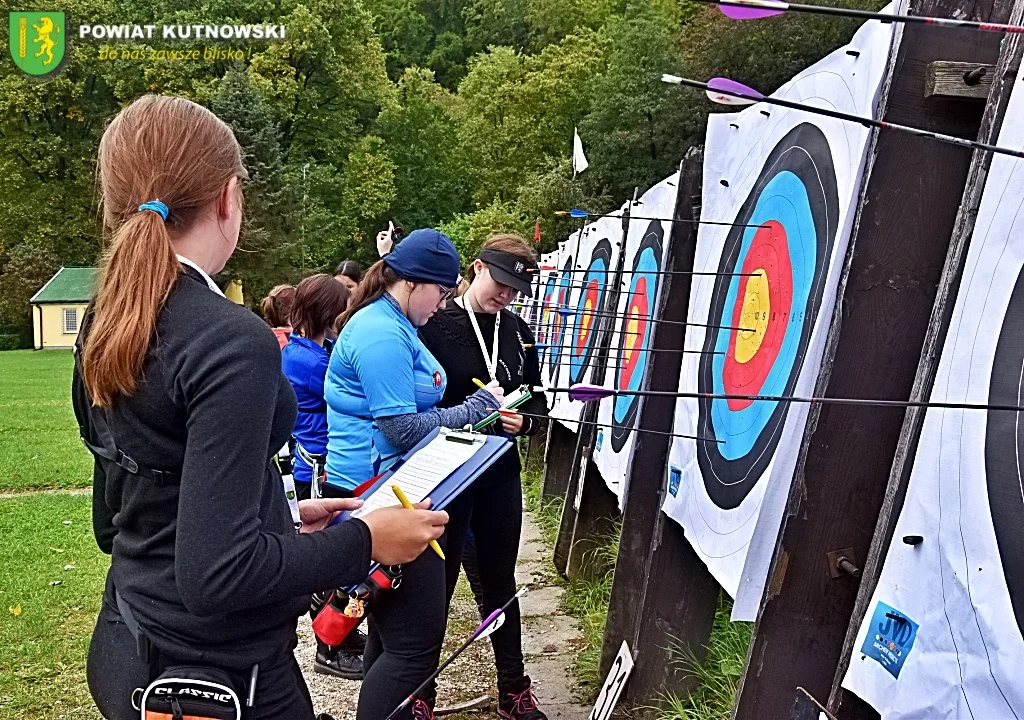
(212, 567)
(450, 337)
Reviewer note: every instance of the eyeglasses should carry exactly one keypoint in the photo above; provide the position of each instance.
(446, 293)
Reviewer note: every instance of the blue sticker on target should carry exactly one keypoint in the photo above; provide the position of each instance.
(675, 475)
(890, 638)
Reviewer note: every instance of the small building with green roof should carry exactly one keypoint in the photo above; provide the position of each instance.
(59, 306)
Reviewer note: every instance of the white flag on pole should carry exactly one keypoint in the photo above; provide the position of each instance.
(579, 160)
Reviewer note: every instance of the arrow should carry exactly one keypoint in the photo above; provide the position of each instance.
(757, 9)
(594, 393)
(567, 312)
(606, 425)
(584, 214)
(718, 89)
(491, 623)
(583, 271)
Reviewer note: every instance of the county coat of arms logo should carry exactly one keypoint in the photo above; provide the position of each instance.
(37, 41)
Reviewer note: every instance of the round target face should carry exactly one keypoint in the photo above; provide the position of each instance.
(1004, 448)
(772, 277)
(591, 300)
(559, 287)
(547, 312)
(636, 332)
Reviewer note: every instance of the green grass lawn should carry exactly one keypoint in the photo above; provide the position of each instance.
(39, 445)
(45, 628)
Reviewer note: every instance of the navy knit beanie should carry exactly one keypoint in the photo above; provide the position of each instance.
(426, 256)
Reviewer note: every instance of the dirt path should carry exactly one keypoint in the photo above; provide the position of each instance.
(549, 643)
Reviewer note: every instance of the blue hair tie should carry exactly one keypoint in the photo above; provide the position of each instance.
(156, 206)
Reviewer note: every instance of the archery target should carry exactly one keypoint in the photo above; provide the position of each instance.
(962, 588)
(591, 300)
(559, 337)
(636, 332)
(1004, 450)
(786, 184)
(633, 331)
(765, 302)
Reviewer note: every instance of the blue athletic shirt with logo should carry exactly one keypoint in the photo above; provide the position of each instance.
(305, 365)
(379, 368)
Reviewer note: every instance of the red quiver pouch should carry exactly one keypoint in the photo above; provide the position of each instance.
(344, 610)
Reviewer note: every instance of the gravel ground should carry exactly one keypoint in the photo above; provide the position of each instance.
(549, 642)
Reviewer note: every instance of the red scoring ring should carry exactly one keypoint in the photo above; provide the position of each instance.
(769, 250)
(639, 310)
(586, 318)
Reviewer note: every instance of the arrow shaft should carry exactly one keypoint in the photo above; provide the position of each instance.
(674, 220)
(867, 122)
(866, 15)
(607, 425)
(459, 651)
(810, 400)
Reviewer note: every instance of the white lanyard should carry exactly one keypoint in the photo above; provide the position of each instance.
(492, 362)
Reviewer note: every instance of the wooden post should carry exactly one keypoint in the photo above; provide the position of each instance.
(581, 501)
(661, 587)
(908, 208)
(561, 441)
(593, 525)
(846, 705)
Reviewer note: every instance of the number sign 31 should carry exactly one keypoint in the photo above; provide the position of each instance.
(617, 677)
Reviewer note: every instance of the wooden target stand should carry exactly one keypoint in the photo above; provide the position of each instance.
(662, 593)
(843, 704)
(884, 313)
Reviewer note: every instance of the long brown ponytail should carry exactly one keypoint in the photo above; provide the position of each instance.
(158, 148)
(373, 285)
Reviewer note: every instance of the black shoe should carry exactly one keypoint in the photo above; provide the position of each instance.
(355, 642)
(344, 664)
(517, 702)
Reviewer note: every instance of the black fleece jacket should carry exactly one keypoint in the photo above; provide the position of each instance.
(212, 567)
(450, 337)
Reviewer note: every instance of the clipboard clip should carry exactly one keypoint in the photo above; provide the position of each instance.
(466, 436)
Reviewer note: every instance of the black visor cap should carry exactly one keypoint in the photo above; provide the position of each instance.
(508, 269)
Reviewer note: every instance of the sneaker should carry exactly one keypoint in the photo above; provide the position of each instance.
(422, 711)
(518, 703)
(344, 664)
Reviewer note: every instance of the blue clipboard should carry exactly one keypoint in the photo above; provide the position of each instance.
(451, 487)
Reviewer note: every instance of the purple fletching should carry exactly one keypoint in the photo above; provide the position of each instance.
(719, 87)
(753, 12)
(589, 393)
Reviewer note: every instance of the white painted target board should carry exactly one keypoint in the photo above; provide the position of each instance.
(944, 633)
(645, 251)
(594, 252)
(789, 182)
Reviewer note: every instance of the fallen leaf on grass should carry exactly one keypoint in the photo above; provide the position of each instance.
(55, 583)
(56, 550)
(69, 567)
(67, 522)
(15, 610)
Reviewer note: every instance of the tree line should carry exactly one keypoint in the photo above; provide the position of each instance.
(456, 114)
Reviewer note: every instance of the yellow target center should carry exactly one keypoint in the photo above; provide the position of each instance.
(633, 333)
(753, 316)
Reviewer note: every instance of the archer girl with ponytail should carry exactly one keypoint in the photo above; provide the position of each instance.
(182, 393)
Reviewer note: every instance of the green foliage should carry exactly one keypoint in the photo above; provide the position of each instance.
(11, 341)
(39, 443)
(718, 673)
(468, 232)
(26, 269)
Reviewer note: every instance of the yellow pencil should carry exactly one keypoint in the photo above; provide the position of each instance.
(479, 384)
(408, 505)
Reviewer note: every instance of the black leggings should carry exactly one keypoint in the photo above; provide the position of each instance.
(405, 632)
(114, 669)
(493, 508)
